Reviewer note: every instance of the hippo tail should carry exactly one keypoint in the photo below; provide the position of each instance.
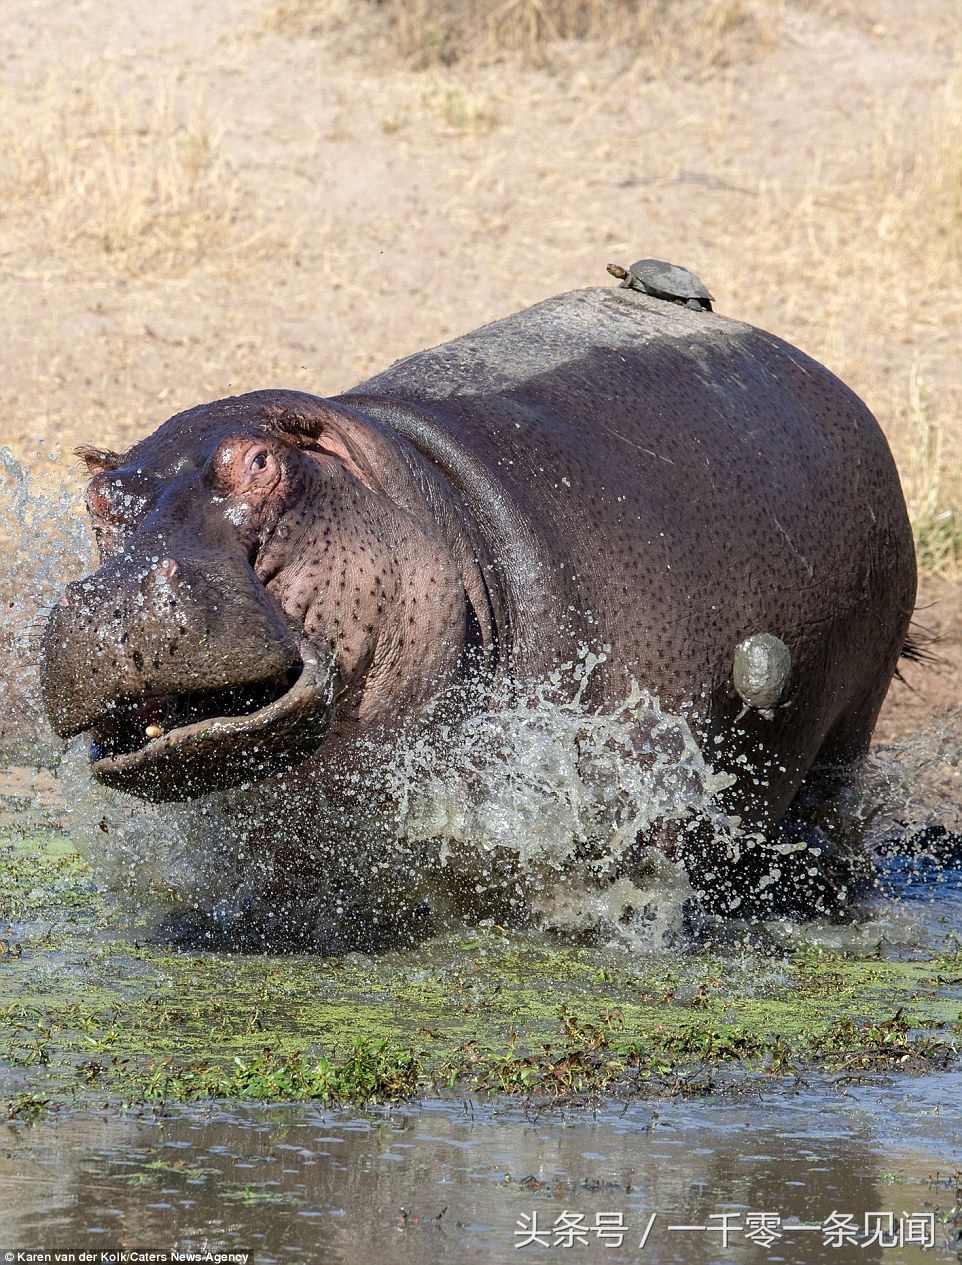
(918, 648)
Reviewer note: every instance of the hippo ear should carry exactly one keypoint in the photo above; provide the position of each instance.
(323, 429)
(296, 423)
(99, 460)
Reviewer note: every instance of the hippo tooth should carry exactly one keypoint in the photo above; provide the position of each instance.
(153, 731)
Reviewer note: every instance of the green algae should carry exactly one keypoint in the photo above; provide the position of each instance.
(92, 1014)
(43, 877)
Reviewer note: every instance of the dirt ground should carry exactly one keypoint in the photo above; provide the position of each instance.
(929, 689)
(204, 197)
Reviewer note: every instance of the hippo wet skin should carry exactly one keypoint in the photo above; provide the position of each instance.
(284, 576)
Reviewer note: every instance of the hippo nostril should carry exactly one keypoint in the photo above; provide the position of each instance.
(168, 568)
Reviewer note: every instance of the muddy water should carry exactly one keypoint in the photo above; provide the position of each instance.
(845, 1166)
(466, 1181)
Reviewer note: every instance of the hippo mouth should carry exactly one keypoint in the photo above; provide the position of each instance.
(178, 746)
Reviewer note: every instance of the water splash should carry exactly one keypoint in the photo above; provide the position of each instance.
(912, 792)
(917, 780)
(46, 539)
(527, 813)
(551, 795)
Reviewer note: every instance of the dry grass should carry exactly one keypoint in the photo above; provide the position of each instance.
(920, 221)
(931, 469)
(699, 34)
(461, 112)
(510, 180)
(858, 270)
(918, 279)
(132, 187)
(921, 237)
(942, 167)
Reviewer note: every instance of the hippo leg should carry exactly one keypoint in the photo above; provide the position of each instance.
(282, 927)
(810, 860)
(810, 863)
(832, 866)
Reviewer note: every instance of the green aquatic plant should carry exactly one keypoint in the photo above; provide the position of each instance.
(92, 1013)
(26, 1106)
(371, 1072)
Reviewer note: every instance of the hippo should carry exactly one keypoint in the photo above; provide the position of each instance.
(705, 509)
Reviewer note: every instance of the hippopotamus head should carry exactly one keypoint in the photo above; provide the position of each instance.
(255, 583)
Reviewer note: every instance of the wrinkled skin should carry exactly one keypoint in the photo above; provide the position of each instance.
(282, 575)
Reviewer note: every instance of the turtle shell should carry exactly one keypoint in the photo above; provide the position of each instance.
(668, 281)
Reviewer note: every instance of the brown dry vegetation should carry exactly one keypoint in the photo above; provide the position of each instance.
(695, 34)
(214, 197)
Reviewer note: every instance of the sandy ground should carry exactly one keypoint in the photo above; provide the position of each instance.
(204, 198)
(931, 689)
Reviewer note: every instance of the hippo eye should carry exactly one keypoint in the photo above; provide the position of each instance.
(259, 461)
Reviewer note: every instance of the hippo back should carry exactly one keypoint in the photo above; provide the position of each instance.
(668, 482)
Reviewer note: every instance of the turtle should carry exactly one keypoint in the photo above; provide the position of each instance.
(664, 281)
